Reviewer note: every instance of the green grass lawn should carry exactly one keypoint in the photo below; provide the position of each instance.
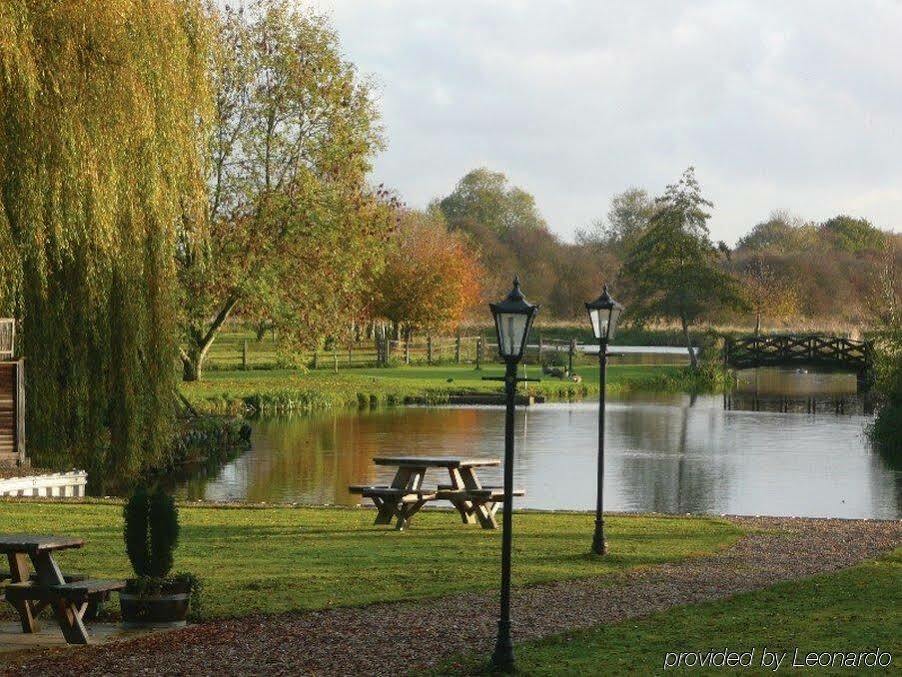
(276, 390)
(282, 559)
(858, 609)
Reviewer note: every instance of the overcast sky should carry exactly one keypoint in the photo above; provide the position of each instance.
(782, 104)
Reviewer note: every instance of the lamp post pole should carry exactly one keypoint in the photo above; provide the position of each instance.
(503, 656)
(604, 313)
(513, 319)
(598, 544)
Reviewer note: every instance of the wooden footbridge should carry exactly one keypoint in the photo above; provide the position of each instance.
(831, 353)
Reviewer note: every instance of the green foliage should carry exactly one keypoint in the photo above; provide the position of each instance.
(485, 197)
(292, 230)
(284, 391)
(151, 531)
(628, 217)
(278, 559)
(853, 235)
(98, 162)
(673, 271)
(136, 531)
(781, 233)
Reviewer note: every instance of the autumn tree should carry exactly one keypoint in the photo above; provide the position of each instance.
(766, 292)
(673, 271)
(432, 277)
(291, 229)
(99, 108)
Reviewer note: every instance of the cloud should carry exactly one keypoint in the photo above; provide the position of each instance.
(794, 105)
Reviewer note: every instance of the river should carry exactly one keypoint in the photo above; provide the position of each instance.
(761, 451)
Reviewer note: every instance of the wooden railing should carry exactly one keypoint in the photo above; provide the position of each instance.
(829, 352)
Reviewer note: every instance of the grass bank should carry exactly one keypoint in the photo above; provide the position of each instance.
(291, 390)
(283, 559)
(855, 610)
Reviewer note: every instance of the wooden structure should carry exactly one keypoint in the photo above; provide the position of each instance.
(70, 597)
(12, 412)
(782, 350)
(406, 496)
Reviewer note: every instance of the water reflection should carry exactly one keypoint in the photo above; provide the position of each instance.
(797, 391)
(667, 453)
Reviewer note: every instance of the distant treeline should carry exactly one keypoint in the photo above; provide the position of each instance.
(788, 268)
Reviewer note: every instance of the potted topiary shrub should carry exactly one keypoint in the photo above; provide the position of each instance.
(154, 598)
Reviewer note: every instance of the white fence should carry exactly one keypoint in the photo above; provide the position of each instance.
(57, 485)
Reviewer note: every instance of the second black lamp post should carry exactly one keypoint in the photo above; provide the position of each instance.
(513, 319)
(604, 312)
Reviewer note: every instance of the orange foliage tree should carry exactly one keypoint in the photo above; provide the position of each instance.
(431, 278)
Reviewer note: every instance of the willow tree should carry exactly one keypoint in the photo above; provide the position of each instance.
(100, 102)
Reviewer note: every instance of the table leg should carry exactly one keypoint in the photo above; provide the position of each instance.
(405, 512)
(18, 569)
(68, 614)
(483, 510)
(405, 478)
(465, 508)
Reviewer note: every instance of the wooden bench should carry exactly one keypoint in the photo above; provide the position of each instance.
(95, 603)
(395, 502)
(81, 598)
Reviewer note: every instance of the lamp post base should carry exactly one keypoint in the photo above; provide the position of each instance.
(599, 547)
(503, 656)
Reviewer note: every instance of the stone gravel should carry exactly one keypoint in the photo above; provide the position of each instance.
(406, 637)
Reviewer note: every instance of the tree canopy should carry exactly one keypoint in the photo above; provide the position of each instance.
(673, 271)
(291, 229)
(98, 163)
(431, 278)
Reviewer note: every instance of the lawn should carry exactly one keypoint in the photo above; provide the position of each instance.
(283, 559)
(281, 390)
(854, 610)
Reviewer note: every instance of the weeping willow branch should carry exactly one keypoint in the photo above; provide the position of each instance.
(100, 104)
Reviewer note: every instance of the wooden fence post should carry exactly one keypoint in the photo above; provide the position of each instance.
(316, 358)
(407, 347)
(244, 355)
(429, 350)
(457, 347)
(478, 353)
(570, 360)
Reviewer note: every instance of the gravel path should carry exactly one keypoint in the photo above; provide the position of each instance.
(395, 638)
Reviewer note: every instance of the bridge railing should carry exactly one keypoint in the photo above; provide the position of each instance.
(786, 350)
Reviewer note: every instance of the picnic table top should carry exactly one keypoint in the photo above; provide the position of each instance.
(435, 462)
(31, 543)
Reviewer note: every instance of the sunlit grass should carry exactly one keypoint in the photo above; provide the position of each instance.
(282, 559)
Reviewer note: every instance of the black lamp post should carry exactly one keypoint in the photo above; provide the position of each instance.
(513, 320)
(603, 314)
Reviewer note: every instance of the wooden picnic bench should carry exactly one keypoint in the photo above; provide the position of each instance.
(405, 496)
(29, 593)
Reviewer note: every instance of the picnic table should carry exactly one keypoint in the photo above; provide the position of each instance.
(70, 595)
(406, 495)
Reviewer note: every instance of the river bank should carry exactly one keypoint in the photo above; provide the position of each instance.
(296, 391)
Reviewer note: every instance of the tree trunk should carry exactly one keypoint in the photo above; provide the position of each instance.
(757, 323)
(261, 330)
(693, 359)
(199, 343)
